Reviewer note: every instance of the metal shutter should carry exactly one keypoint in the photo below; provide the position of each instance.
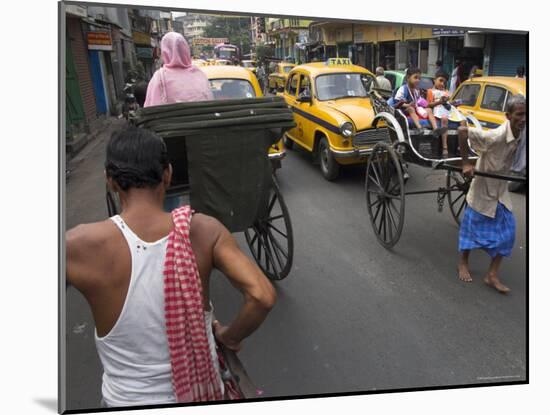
(509, 52)
(80, 54)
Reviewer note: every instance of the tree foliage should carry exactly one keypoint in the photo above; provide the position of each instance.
(236, 29)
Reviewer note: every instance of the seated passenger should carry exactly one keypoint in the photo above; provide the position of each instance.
(443, 110)
(406, 99)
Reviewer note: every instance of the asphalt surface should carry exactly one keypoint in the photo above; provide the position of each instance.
(351, 316)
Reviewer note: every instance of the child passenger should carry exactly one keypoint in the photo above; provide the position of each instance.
(407, 98)
(443, 110)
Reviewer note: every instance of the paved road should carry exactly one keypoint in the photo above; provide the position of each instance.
(351, 316)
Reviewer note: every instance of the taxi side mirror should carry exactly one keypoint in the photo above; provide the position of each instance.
(304, 98)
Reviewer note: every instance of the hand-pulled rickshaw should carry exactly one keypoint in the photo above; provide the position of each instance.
(385, 181)
(219, 156)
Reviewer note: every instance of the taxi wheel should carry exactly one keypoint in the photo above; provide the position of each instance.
(329, 166)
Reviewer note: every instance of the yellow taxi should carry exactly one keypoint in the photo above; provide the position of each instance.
(199, 62)
(222, 62)
(485, 97)
(250, 65)
(277, 78)
(333, 113)
(236, 82)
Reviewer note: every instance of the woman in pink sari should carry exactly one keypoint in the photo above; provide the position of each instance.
(177, 80)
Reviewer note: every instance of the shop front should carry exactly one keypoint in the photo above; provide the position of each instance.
(466, 47)
(418, 42)
(144, 52)
(80, 100)
(387, 53)
(507, 53)
(100, 46)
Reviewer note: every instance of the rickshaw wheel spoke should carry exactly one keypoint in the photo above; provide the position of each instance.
(456, 182)
(276, 241)
(277, 230)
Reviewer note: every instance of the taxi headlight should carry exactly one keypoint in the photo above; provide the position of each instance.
(346, 129)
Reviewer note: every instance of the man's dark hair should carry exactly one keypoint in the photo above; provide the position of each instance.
(412, 71)
(136, 158)
(520, 71)
(439, 63)
(442, 74)
(140, 92)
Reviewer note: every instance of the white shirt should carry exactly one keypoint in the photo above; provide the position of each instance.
(496, 149)
(383, 82)
(136, 360)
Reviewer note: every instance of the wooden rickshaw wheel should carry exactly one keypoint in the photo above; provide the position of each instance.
(457, 189)
(385, 194)
(271, 239)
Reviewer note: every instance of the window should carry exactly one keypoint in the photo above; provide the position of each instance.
(343, 85)
(231, 89)
(468, 94)
(292, 84)
(305, 86)
(494, 98)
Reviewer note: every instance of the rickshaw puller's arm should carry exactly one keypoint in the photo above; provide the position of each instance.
(467, 167)
(258, 294)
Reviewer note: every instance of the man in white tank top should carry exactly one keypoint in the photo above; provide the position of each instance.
(118, 265)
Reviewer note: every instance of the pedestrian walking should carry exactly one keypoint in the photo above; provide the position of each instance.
(383, 82)
(145, 275)
(488, 221)
(457, 76)
(178, 80)
(260, 74)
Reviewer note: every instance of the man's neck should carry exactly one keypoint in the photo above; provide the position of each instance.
(142, 201)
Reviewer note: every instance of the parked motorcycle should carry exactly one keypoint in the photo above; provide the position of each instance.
(130, 103)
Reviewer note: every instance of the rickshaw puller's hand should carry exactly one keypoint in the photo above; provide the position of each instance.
(220, 333)
(468, 170)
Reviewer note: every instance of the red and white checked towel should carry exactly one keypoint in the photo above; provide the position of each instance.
(194, 376)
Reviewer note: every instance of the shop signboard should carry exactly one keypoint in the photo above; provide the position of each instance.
(99, 40)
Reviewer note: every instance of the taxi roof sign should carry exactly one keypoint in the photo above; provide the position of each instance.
(338, 61)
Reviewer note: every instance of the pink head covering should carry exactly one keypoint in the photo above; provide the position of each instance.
(178, 80)
(175, 51)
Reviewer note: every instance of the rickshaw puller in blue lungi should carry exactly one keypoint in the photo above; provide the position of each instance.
(488, 221)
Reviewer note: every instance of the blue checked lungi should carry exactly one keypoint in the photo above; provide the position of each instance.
(494, 235)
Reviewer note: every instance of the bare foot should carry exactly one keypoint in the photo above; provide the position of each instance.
(493, 281)
(464, 273)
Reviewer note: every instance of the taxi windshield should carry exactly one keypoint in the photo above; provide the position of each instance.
(343, 85)
(286, 69)
(231, 89)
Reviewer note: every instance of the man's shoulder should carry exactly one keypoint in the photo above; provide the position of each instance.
(205, 225)
(90, 235)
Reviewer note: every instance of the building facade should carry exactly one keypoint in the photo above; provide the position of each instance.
(289, 37)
